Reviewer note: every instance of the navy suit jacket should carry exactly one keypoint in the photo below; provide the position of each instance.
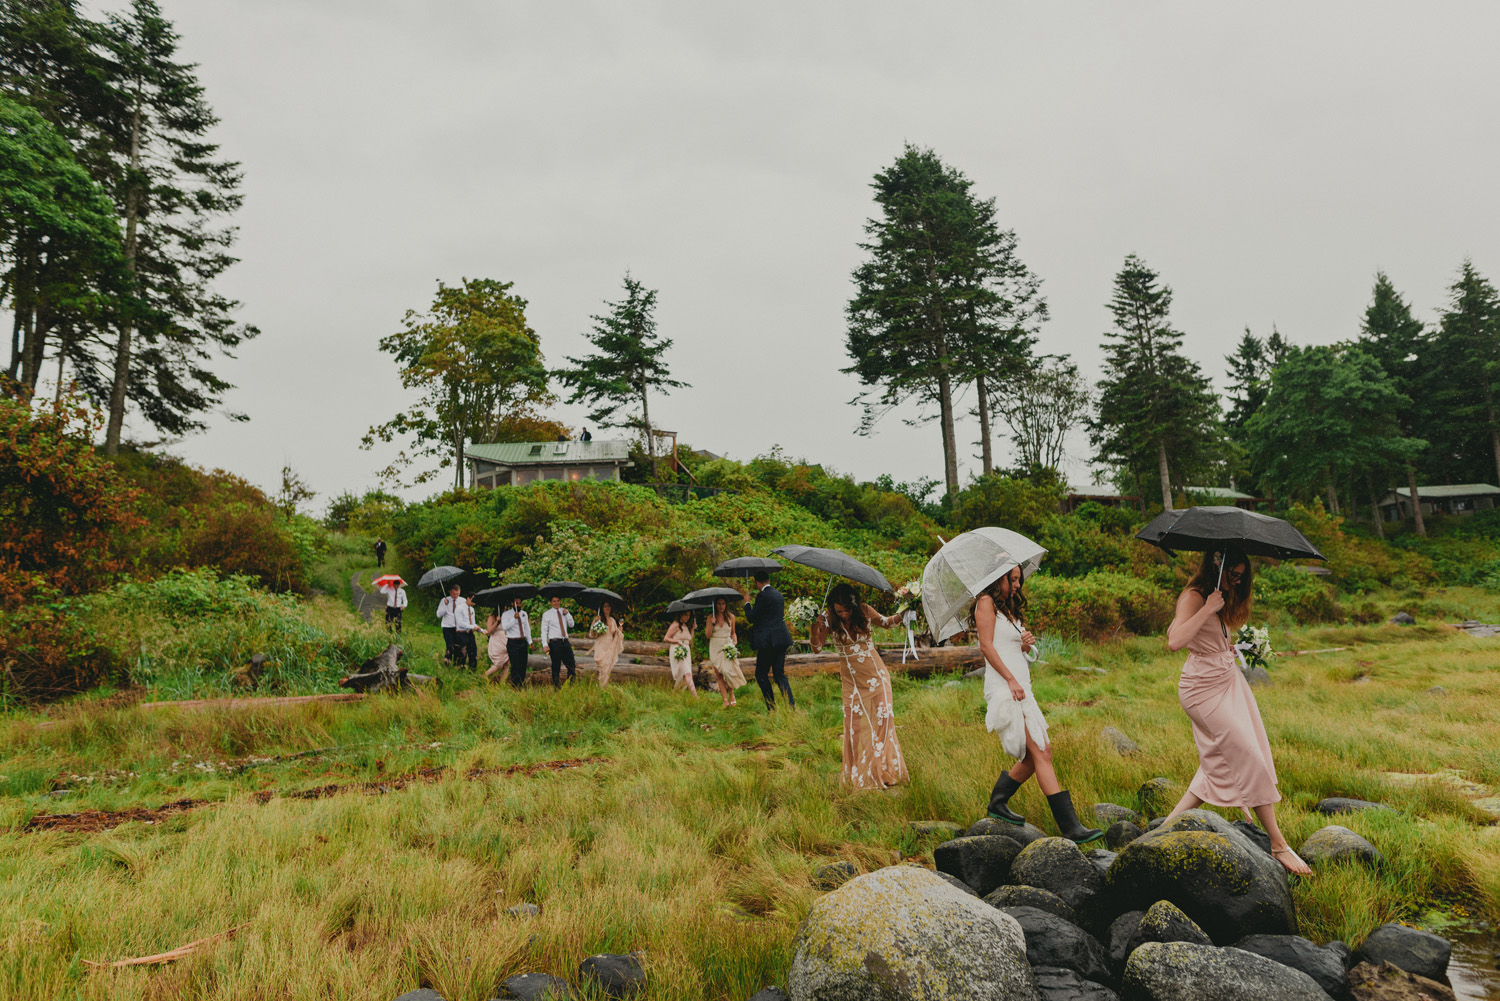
(767, 618)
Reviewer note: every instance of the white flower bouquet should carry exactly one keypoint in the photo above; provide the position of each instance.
(598, 628)
(680, 652)
(730, 651)
(1255, 643)
(909, 596)
(803, 610)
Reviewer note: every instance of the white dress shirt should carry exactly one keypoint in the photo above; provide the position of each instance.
(395, 597)
(555, 624)
(446, 610)
(516, 625)
(463, 617)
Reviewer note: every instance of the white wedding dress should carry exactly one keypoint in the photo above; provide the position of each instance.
(1010, 719)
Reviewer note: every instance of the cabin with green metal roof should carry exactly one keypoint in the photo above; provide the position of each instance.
(515, 464)
(1446, 498)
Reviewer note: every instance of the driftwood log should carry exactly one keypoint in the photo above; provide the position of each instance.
(384, 672)
(798, 665)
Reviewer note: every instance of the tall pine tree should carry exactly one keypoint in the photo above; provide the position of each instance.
(1154, 407)
(1466, 349)
(1398, 342)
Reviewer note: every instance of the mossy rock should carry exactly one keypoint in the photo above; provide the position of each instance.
(1060, 866)
(1181, 971)
(1211, 871)
(1122, 833)
(932, 831)
(1338, 844)
(833, 875)
(1031, 896)
(1112, 813)
(1165, 922)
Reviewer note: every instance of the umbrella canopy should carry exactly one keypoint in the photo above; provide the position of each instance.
(835, 562)
(679, 606)
(593, 597)
(706, 596)
(560, 589)
(745, 566)
(965, 566)
(388, 580)
(439, 575)
(504, 594)
(1204, 529)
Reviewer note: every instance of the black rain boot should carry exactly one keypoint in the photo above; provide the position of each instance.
(1067, 821)
(1005, 788)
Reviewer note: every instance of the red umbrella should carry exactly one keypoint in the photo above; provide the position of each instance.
(389, 580)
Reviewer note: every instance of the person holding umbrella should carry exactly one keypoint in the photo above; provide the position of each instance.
(516, 625)
(770, 637)
(395, 599)
(609, 640)
(447, 616)
(871, 753)
(721, 635)
(1234, 756)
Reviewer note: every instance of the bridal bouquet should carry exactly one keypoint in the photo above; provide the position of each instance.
(909, 596)
(803, 611)
(1255, 643)
(730, 651)
(598, 628)
(680, 652)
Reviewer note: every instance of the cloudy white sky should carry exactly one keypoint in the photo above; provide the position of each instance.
(1267, 159)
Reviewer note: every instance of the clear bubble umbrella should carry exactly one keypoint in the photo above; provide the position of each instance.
(964, 567)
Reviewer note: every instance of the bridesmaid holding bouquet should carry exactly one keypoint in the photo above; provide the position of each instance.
(723, 651)
(609, 640)
(679, 640)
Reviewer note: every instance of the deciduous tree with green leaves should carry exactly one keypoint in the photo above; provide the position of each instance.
(478, 364)
(1041, 402)
(627, 364)
(1154, 407)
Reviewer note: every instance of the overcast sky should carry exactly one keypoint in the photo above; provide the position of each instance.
(1266, 159)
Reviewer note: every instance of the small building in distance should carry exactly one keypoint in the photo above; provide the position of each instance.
(515, 464)
(1452, 498)
(1073, 498)
(1224, 496)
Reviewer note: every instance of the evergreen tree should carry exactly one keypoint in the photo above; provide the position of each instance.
(629, 361)
(1153, 406)
(1398, 342)
(1466, 351)
(1249, 379)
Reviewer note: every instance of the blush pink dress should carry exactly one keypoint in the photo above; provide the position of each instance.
(1234, 756)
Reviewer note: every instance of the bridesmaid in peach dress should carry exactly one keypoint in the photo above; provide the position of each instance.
(607, 643)
(1234, 756)
(872, 755)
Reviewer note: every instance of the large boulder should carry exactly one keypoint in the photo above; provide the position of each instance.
(616, 976)
(1124, 938)
(1165, 922)
(1031, 896)
(1122, 833)
(1055, 983)
(1102, 859)
(1388, 982)
(1181, 971)
(983, 862)
(1412, 949)
(1325, 965)
(1257, 835)
(902, 934)
(1338, 844)
(1021, 834)
(536, 987)
(1058, 865)
(1111, 813)
(956, 883)
(1051, 941)
(1203, 865)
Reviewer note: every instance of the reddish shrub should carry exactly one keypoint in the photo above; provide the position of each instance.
(244, 539)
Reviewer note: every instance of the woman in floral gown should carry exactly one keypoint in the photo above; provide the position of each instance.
(679, 640)
(872, 755)
(720, 629)
(609, 640)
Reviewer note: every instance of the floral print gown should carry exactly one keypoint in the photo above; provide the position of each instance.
(872, 754)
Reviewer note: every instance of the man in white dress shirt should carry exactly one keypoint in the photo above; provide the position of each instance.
(447, 612)
(465, 652)
(516, 625)
(556, 621)
(395, 605)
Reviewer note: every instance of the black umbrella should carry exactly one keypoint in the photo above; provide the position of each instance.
(1204, 529)
(594, 597)
(503, 595)
(680, 606)
(564, 589)
(709, 595)
(834, 562)
(745, 566)
(439, 575)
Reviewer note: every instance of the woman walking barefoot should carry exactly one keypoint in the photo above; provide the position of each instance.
(679, 639)
(1234, 756)
(499, 656)
(609, 640)
(721, 633)
(1013, 712)
(872, 755)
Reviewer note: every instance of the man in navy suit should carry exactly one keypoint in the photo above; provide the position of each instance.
(770, 637)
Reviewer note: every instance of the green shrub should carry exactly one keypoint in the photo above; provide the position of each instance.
(1306, 597)
(1099, 605)
(1019, 505)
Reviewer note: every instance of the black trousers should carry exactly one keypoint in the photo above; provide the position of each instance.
(393, 615)
(561, 652)
(380, 557)
(518, 650)
(465, 651)
(769, 662)
(450, 644)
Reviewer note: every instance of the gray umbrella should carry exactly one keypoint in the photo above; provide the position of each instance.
(679, 606)
(564, 589)
(709, 595)
(439, 575)
(745, 566)
(837, 563)
(503, 595)
(1207, 529)
(593, 597)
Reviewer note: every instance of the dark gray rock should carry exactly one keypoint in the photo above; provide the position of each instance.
(536, 987)
(1201, 863)
(769, 994)
(1340, 804)
(1411, 949)
(1257, 835)
(1051, 941)
(833, 875)
(1122, 833)
(941, 830)
(1102, 858)
(956, 883)
(1109, 813)
(1031, 896)
(1333, 843)
(1158, 796)
(421, 994)
(1055, 983)
(891, 933)
(1154, 824)
(1058, 865)
(983, 862)
(523, 911)
(617, 976)
(1117, 740)
(1403, 619)
(1181, 971)
(986, 826)
(1123, 939)
(1165, 922)
(1258, 676)
(1324, 964)
(1342, 951)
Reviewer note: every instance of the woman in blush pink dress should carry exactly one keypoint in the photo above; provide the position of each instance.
(609, 640)
(1234, 756)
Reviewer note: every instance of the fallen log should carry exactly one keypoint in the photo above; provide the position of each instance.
(631, 646)
(383, 672)
(171, 955)
(255, 703)
(798, 665)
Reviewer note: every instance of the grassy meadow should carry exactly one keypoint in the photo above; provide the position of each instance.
(679, 828)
